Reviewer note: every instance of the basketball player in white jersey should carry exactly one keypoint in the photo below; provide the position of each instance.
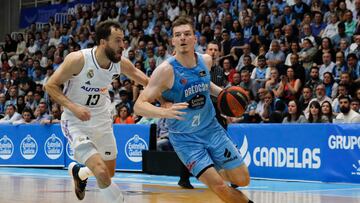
(86, 121)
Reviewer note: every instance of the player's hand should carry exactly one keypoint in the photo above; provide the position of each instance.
(174, 111)
(82, 113)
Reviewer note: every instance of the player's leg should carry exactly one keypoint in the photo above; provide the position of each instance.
(238, 176)
(215, 182)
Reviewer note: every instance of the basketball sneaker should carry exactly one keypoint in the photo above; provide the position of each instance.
(79, 184)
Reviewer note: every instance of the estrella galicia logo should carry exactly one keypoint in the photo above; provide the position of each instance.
(357, 169)
(69, 151)
(6, 148)
(53, 147)
(134, 147)
(244, 151)
(28, 147)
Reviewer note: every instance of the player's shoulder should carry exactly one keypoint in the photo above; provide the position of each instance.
(75, 57)
(207, 59)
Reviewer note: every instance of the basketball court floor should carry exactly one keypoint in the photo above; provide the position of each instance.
(55, 186)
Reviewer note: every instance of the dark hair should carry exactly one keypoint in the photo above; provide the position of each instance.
(103, 30)
(351, 55)
(329, 115)
(316, 104)
(213, 42)
(298, 110)
(183, 20)
(344, 97)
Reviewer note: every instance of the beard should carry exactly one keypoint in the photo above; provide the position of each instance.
(112, 55)
(344, 109)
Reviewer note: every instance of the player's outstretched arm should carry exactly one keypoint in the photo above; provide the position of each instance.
(133, 73)
(214, 89)
(72, 65)
(161, 80)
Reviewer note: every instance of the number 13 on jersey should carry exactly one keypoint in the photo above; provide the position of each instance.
(93, 99)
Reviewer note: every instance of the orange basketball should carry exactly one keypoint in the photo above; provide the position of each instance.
(232, 101)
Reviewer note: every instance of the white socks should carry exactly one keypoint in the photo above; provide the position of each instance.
(112, 194)
(84, 173)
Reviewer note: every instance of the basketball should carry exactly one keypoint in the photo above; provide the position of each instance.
(232, 101)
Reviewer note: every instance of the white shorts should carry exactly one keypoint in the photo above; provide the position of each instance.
(90, 137)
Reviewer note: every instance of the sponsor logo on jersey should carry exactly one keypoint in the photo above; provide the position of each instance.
(202, 73)
(115, 76)
(90, 73)
(28, 147)
(6, 148)
(53, 147)
(134, 147)
(196, 88)
(101, 90)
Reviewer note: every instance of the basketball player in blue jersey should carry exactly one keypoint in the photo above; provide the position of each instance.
(86, 120)
(197, 137)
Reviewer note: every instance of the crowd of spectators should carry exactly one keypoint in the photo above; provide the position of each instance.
(299, 60)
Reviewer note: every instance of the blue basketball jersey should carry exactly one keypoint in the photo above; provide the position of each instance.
(191, 85)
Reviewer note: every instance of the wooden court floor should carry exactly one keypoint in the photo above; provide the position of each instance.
(55, 186)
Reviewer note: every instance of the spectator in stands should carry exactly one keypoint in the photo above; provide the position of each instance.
(124, 116)
(3, 90)
(341, 35)
(10, 115)
(162, 55)
(355, 105)
(340, 66)
(331, 29)
(274, 82)
(275, 56)
(29, 101)
(270, 103)
(289, 87)
(12, 96)
(10, 45)
(27, 117)
(347, 115)
(20, 103)
(247, 64)
(326, 110)
(307, 53)
(294, 113)
(229, 71)
(246, 52)
(327, 65)
(314, 80)
(55, 115)
(330, 85)
(41, 112)
(261, 73)
(315, 114)
(343, 90)
(2, 104)
(247, 83)
(350, 23)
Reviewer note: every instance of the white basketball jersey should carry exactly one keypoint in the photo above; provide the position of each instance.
(90, 87)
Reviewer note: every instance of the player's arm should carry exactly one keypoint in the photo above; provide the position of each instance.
(214, 89)
(161, 79)
(133, 73)
(72, 65)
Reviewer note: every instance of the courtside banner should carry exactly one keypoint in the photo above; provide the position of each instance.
(312, 152)
(31, 145)
(131, 139)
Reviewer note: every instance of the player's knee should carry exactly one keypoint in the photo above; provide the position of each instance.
(242, 180)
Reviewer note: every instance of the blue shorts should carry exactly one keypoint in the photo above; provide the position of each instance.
(210, 147)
